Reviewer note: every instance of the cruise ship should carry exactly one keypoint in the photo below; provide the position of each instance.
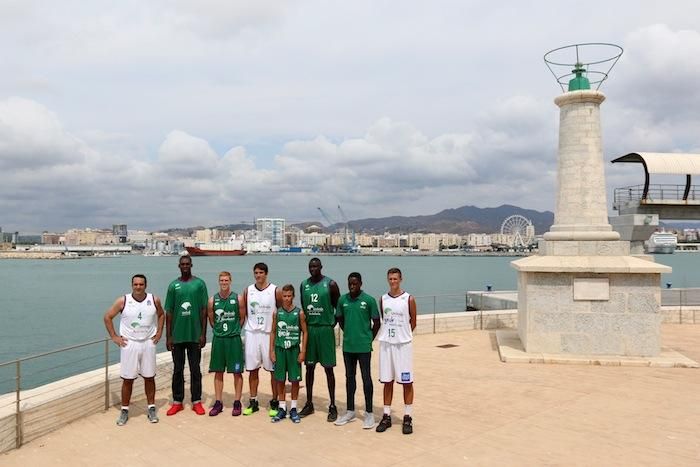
(662, 243)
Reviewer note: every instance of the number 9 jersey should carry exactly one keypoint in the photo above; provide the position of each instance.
(227, 321)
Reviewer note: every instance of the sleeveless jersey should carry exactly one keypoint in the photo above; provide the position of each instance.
(138, 320)
(226, 316)
(261, 304)
(396, 322)
(316, 302)
(288, 332)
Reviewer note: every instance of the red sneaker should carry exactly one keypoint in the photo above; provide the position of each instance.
(175, 408)
(198, 408)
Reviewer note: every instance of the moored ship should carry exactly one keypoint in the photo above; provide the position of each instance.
(662, 243)
(230, 247)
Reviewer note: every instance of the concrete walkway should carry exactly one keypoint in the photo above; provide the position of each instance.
(470, 409)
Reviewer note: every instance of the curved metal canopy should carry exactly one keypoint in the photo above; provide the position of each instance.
(665, 163)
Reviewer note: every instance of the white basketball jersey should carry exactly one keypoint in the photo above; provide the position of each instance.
(261, 305)
(138, 320)
(396, 321)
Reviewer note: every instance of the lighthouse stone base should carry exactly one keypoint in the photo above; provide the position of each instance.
(589, 298)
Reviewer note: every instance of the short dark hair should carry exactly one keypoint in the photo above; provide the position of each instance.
(314, 259)
(356, 275)
(394, 271)
(261, 266)
(183, 258)
(288, 288)
(139, 276)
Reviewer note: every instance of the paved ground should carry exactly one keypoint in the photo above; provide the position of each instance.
(470, 409)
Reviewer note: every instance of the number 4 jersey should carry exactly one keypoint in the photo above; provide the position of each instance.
(396, 321)
(226, 316)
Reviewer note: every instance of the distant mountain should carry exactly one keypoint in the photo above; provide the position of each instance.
(463, 220)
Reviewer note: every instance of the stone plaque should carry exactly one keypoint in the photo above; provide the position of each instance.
(589, 288)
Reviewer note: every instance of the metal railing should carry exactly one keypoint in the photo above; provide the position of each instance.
(657, 193)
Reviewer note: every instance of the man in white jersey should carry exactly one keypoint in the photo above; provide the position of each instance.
(260, 300)
(140, 328)
(398, 310)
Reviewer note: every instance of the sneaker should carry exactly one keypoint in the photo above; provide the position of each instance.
(217, 409)
(253, 407)
(175, 408)
(348, 417)
(237, 408)
(152, 415)
(332, 414)
(407, 427)
(123, 417)
(280, 415)
(294, 416)
(198, 408)
(384, 423)
(307, 410)
(368, 423)
(274, 405)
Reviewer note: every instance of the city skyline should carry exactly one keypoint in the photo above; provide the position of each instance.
(171, 113)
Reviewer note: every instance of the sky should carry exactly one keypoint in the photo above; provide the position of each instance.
(179, 113)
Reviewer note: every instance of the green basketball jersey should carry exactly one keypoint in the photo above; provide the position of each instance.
(184, 302)
(288, 332)
(226, 316)
(358, 314)
(316, 302)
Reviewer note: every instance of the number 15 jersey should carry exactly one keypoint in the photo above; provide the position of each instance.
(396, 321)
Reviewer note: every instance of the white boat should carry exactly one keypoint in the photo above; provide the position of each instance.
(662, 243)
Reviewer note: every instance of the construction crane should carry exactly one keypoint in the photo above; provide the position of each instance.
(352, 245)
(326, 217)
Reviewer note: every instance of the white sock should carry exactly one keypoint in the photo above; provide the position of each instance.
(253, 398)
(125, 407)
(387, 410)
(283, 405)
(151, 406)
(409, 410)
(294, 403)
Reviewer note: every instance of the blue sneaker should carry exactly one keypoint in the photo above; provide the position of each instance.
(281, 415)
(294, 416)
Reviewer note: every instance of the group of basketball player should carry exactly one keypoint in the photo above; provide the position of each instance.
(279, 337)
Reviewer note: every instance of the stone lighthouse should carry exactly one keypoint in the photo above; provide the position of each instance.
(583, 293)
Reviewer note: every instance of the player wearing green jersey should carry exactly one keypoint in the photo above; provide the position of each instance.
(226, 318)
(358, 316)
(186, 324)
(289, 325)
(319, 297)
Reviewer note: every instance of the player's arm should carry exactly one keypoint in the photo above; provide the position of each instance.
(278, 297)
(376, 323)
(169, 298)
(113, 311)
(203, 312)
(160, 314)
(242, 314)
(210, 311)
(243, 301)
(301, 297)
(272, 337)
(335, 293)
(304, 338)
(339, 316)
(412, 311)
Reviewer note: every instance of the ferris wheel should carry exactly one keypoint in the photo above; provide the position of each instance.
(520, 228)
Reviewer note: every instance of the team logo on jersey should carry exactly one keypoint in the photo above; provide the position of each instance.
(232, 302)
(406, 376)
(186, 309)
(363, 304)
(219, 313)
(135, 324)
(253, 307)
(148, 302)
